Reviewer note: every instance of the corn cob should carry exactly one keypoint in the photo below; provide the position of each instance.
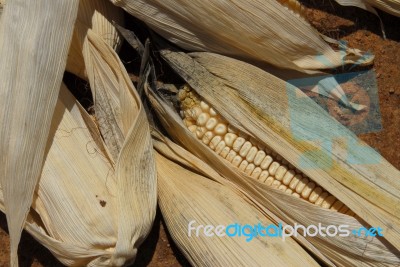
(254, 159)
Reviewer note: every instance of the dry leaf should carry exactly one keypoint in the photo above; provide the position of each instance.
(255, 31)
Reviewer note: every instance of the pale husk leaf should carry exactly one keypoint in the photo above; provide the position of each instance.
(185, 196)
(123, 124)
(389, 6)
(97, 15)
(261, 109)
(256, 31)
(34, 41)
(80, 211)
(111, 87)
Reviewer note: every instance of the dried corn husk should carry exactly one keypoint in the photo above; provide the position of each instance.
(33, 54)
(97, 16)
(125, 183)
(389, 6)
(122, 123)
(185, 195)
(257, 31)
(257, 104)
(109, 82)
(88, 210)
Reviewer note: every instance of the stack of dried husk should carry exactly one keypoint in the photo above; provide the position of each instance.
(85, 185)
(265, 109)
(84, 189)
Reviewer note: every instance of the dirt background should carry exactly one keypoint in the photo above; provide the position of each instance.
(362, 30)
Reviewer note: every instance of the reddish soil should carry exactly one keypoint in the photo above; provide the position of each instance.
(362, 30)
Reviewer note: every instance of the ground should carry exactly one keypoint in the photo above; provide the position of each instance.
(362, 30)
